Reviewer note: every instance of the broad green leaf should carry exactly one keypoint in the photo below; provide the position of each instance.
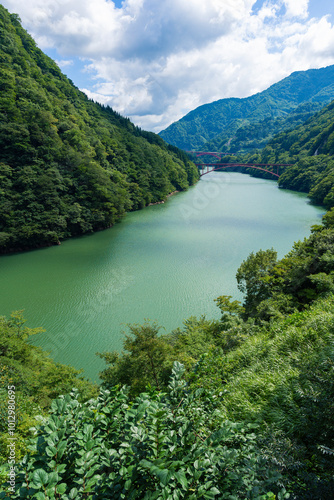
(146, 464)
(39, 496)
(40, 477)
(90, 444)
(61, 488)
(92, 482)
(53, 479)
(51, 451)
(73, 494)
(59, 406)
(61, 448)
(87, 456)
(127, 484)
(164, 475)
(181, 478)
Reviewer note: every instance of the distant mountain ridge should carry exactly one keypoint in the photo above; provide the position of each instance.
(246, 123)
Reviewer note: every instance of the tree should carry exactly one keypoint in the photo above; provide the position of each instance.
(250, 279)
(147, 360)
(58, 149)
(328, 219)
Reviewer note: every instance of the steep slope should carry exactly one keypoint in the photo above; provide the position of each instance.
(310, 148)
(255, 135)
(250, 122)
(69, 166)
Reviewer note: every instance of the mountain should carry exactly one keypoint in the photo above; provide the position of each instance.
(69, 166)
(305, 154)
(310, 149)
(243, 124)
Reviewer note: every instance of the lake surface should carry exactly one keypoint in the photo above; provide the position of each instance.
(164, 263)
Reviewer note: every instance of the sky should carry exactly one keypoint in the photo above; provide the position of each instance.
(155, 60)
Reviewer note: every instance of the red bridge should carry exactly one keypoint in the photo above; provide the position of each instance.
(270, 168)
(257, 166)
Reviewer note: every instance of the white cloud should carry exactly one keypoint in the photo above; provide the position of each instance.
(297, 8)
(64, 63)
(155, 60)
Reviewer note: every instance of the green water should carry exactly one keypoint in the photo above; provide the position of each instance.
(164, 263)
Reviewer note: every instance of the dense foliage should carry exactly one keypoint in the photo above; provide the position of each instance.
(304, 155)
(236, 408)
(249, 135)
(36, 377)
(176, 445)
(69, 166)
(187, 430)
(269, 361)
(281, 377)
(242, 124)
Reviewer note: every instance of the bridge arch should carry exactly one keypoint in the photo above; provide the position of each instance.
(270, 168)
(221, 166)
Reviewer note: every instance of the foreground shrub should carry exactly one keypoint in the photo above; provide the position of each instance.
(161, 446)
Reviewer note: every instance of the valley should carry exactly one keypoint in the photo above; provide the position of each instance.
(222, 386)
(166, 263)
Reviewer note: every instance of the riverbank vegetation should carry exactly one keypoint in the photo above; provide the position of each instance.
(308, 150)
(240, 407)
(36, 377)
(268, 361)
(236, 408)
(68, 165)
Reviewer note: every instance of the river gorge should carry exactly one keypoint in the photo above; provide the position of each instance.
(164, 263)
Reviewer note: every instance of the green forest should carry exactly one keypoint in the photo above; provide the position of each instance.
(69, 166)
(240, 407)
(305, 154)
(309, 150)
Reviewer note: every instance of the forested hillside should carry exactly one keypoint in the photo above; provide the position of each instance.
(310, 149)
(69, 166)
(236, 408)
(239, 125)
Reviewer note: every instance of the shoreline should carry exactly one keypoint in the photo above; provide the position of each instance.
(163, 201)
(13, 251)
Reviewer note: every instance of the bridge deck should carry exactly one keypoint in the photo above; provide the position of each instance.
(257, 166)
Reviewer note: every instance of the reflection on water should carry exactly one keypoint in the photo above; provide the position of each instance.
(164, 263)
